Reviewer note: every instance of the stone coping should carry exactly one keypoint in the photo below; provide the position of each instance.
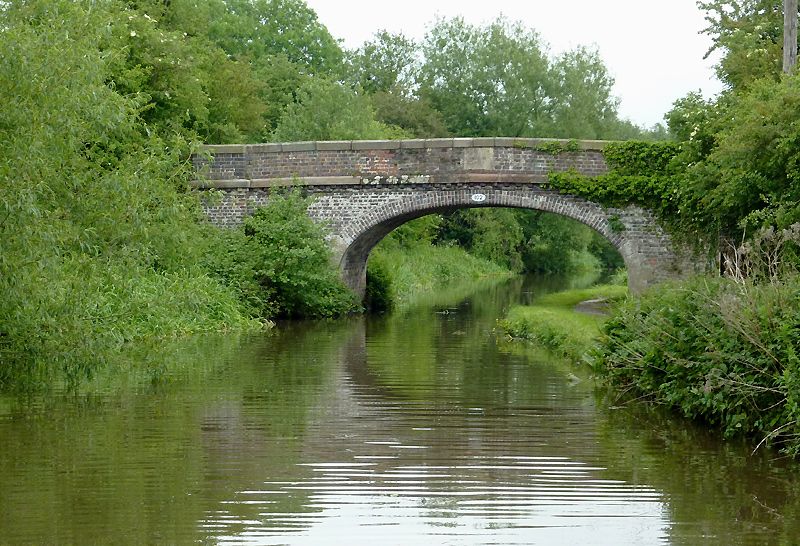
(355, 145)
(373, 182)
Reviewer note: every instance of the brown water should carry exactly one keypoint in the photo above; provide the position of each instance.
(418, 428)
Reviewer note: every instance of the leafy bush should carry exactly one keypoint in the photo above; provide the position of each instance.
(641, 173)
(715, 350)
(379, 296)
(328, 110)
(280, 263)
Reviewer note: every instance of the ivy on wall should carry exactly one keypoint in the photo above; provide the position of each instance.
(647, 174)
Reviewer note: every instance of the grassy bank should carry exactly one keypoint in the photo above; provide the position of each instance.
(554, 323)
(410, 272)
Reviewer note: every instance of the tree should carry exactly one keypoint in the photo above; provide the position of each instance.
(583, 106)
(261, 29)
(389, 63)
(282, 79)
(487, 81)
(328, 110)
(99, 239)
(552, 243)
(749, 35)
(237, 109)
(751, 178)
(186, 83)
(387, 68)
(497, 80)
(412, 115)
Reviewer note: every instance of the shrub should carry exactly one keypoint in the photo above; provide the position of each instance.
(280, 263)
(380, 296)
(99, 238)
(715, 350)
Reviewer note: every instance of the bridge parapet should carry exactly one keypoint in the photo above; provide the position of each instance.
(392, 162)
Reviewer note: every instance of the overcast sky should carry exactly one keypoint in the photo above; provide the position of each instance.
(652, 47)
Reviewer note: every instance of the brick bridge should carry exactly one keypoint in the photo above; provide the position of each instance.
(365, 189)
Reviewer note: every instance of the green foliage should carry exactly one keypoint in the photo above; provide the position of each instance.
(419, 231)
(388, 63)
(237, 109)
(281, 42)
(99, 238)
(380, 296)
(735, 172)
(281, 79)
(694, 121)
(280, 264)
(714, 350)
(751, 178)
(636, 158)
(603, 251)
(641, 173)
(553, 243)
(749, 33)
(582, 101)
(557, 147)
(616, 224)
(223, 70)
(718, 350)
(328, 110)
(186, 83)
(736, 169)
(527, 240)
(497, 80)
(490, 80)
(491, 234)
(552, 321)
(412, 115)
(262, 29)
(423, 268)
(495, 236)
(486, 81)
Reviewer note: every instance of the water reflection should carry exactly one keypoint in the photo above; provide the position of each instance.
(419, 428)
(430, 434)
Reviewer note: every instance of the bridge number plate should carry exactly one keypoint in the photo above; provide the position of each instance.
(478, 197)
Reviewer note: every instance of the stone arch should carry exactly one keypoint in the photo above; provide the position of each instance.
(641, 243)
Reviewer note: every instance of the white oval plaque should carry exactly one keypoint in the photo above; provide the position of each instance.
(478, 197)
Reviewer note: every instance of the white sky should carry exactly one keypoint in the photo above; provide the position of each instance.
(651, 47)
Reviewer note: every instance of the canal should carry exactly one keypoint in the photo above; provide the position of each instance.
(421, 427)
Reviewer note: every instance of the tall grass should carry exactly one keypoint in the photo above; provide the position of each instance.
(420, 269)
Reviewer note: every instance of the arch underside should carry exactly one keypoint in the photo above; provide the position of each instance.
(644, 247)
